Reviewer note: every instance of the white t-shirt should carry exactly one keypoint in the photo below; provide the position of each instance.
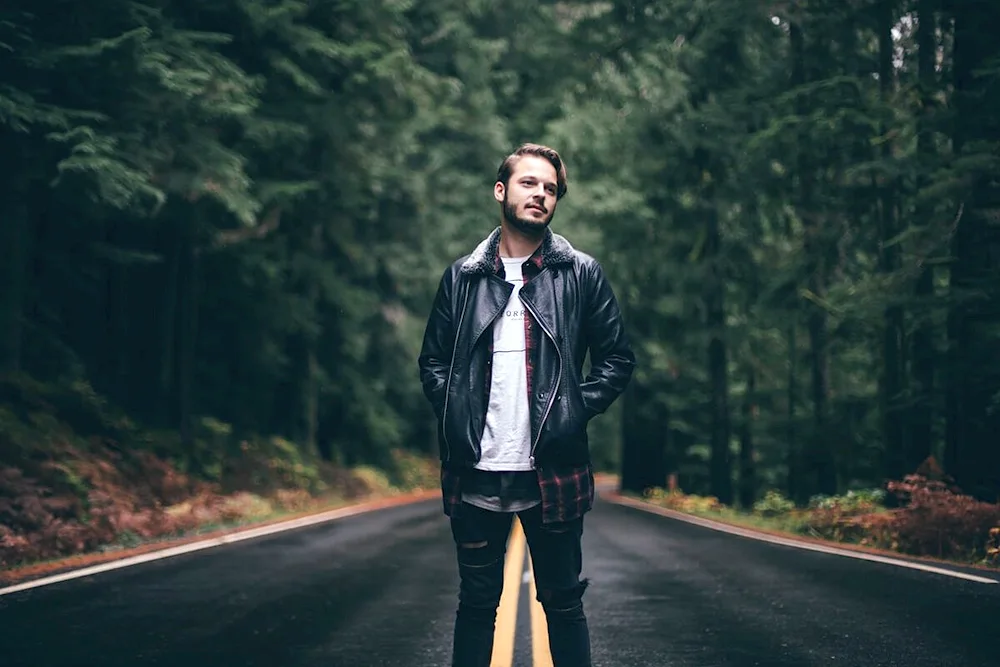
(506, 443)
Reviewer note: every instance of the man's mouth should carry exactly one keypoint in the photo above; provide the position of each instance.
(537, 208)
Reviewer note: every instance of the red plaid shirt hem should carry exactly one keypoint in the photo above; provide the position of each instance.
(567, 492)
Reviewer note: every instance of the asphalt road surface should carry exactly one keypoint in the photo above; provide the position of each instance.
(379, 589)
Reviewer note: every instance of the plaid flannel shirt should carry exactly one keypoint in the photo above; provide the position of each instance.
(567, 491)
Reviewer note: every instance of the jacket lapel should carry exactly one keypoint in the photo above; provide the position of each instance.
(539, 295)
(488, 298)
(489, 293)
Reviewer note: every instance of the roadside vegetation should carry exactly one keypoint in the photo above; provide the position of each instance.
(924, 514)
(79, 477)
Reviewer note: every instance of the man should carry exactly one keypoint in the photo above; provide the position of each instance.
(502, 366)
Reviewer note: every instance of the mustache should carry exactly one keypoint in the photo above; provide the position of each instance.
(540, 207)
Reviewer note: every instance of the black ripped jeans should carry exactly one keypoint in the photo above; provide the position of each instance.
(556, 557)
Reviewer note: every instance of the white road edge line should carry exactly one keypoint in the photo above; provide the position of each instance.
(169, 552)
(763, 537)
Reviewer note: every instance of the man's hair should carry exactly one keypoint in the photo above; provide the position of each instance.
(550, 154)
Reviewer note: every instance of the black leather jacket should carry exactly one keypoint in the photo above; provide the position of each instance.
(576, 309)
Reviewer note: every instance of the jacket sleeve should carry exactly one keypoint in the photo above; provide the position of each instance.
(439, 338)
(611, 357)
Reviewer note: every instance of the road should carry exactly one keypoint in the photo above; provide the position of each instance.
(378, 589)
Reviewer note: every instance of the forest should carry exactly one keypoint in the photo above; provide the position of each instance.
(223, 223)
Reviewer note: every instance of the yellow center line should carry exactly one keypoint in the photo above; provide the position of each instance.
(503, 638)
(540, 656)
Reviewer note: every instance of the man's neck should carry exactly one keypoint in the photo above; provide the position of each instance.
(515, 243)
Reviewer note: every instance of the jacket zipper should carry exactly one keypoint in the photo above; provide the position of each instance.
(451, 373)
(552, 397)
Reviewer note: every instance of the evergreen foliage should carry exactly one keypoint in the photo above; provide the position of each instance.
(236, 211)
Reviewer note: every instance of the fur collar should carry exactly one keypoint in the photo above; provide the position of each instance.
(555, 249)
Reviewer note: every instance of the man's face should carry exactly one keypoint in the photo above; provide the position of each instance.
(529, 200)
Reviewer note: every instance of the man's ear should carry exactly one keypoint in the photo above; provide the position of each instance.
(498, 191)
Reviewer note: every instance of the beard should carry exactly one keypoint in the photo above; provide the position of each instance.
(527, 226)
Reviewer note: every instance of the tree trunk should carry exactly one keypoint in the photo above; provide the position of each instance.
(643, 455)
(720, 466)
(15, 237)
(795, 485)
(168, 326)
(923, 404)
(891, 389)
(116, 341)
(819, 461)
(748, 472)
(633, 479)
(312, 369)
(972, 456)
(188, 335)
(643, 462)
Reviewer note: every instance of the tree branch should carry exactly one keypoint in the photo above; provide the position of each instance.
(228, 237)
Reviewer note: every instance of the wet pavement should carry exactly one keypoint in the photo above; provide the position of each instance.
(379, 589)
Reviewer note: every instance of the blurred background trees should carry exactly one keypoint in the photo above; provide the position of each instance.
(236, 212)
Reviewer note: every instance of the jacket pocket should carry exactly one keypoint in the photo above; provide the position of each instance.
(568, 414)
